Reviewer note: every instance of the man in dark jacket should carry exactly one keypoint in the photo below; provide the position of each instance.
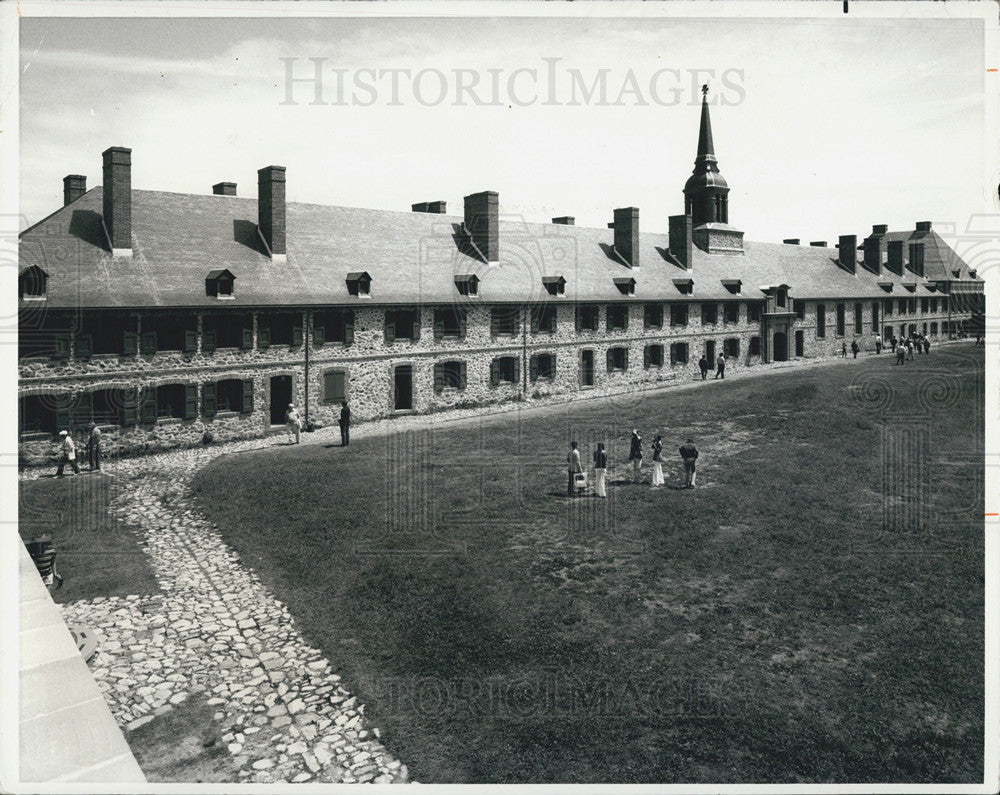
(345, 424)
(703, 364)
(689, 454)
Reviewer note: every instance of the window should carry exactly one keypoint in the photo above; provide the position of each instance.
(504, 370)
(731, 348)
(625, 286)
(219, 284)
(106, 406)
(934, 307)
(754, 309)
(37, 414)
(228, 396)
(902, 306)
(925, 305)
(587, 318)
(224, 330)
(709, 314)
(449, 375)
(875, 320)
(755, 346)
(101, 332)
(359, 283)
(934, 329)
(617, 359)
(652, 316)
(678, 314)
(543, 365)
(911, 305)
(924, 330)
(617, 317)
(841, 320)
(168, 333)
(554, 285)
(679, 353)
(653, 356)
(780, 297)
(820, 322)
(333, 325)
(402, 324)
(279, 328)
(449, 322)
(467, 285)
(543, 318)
(888, 308)
(171, 400)
(731, 312)
(800, 309)
(505, 320)
(32, 283)
(859, 320)
(334, 386)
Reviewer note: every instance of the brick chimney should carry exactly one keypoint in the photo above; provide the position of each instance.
(791, 241)
(847, 252)
(874, 247)
(880, 229)
(118, 199)
(627, 235)
(681, 239)
(818, 243)
(271, 209)
(482, 222)
(923, 226)
(74, 186)
(224, 189)
(438, 207)
(566, 220)
(895, 257)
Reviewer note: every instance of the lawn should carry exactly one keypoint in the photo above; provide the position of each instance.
(95, 553)
(813, 612)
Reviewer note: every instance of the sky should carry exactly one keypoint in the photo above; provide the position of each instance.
(822, 127)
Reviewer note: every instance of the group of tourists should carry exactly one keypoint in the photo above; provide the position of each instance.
(688, 453)
(67, 451)
(720, 366)
(902, 348)
(293, 422)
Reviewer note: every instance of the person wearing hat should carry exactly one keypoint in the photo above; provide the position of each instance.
(67, 453)
(293, 422)
(94, 448)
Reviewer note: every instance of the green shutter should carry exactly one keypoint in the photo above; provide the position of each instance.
(190, 340)
(209, 390)
(297, 333)
(190, 401)
(535, 316)
(84, 346)
(673, 354)
(625, 314)
(647, 356)
(495, 372)
(463, 322)
(248, 338)
(390, 326)
(263, 338)
(517, 369)
(248, 396)
(349, 327)
(130, 412)
(208, 342)
(611, 359)
(61, 347)
(438, 376)
(148, 402)
(148, 343)
(319, 335)
(415, 334)
(130, 343)
(625, 359)
(494, 322)
(462, 375)
(533, 368)
(438, 324)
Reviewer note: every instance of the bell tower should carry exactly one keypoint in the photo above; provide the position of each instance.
(706, 193)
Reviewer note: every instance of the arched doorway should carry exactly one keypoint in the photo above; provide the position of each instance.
(780, 347)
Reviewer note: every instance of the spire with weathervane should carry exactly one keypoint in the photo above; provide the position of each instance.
(706, 193)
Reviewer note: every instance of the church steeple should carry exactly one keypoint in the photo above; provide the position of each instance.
(706, 193)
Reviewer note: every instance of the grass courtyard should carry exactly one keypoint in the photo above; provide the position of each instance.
(812, 612)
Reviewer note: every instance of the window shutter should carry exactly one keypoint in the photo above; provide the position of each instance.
(647, 355)
(148, 343)
(208, 398)
(673, 354)
(579, 319)
(130, 411)
(611, 360)
(263, 338)
(130, 343)
(248, 338)
(535, 316)
(319, 335)
(608, 311)
(84, 412)
(533, 367)
(552, 364)
(248, 396)
(517, 369)
(84, 346)
(297, 333)
(61, 347)
(625, 359)
(463, 322)
(190, 401)
(349, 327)
(190, 340)
(208, 342)
(625, 314)
(438, 325)
(416, 326)
(462, 375)
(390, 326)
(494, 322)
(495, 372)
(148, 401)
(438, 376)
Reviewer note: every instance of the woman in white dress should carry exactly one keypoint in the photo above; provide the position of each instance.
(657, 461)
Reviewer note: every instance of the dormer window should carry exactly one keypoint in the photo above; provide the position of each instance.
(32, 283)
(555, 285)
(467, 284)
(887, 286)
(911, 286)
(685, 286)
(735, 286)
(219, 284)
(359, 283)
(972, 273)
(625, 286)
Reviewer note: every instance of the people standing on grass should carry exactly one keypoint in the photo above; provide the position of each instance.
(703, 366)
(855, 348)
(720, 367)
(67, 454)
(657, 461)
(573, 460)
(689, 455)
(94, 448)
(878, 344)
(600, 470)
(843, 350)
(345, 424)
(293, 423)
(635, 454)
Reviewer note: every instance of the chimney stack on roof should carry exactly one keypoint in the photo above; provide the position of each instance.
(818, 243)
(271, 209)
(791, 241)
(224, 189)
(438, 207)
(74, 186)
(874, 246)
(627, 235)
(880, 229)
(566, 220)
(923, 226)
(482, 223)
(847, 252)
(895, 257)
(117, 192)
(681, 238)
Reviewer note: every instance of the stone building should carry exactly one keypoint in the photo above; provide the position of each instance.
(163, 317)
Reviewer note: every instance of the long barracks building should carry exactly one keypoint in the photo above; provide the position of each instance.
(163, 316)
